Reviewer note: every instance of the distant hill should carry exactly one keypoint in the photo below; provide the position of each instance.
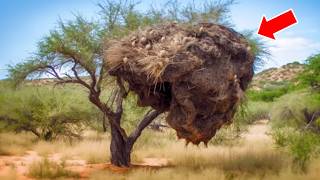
(267, 78)
(276, 76)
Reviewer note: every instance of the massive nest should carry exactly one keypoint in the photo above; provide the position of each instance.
(197, 73)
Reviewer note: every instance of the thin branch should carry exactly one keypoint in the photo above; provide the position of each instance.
(120, 96)
(77, 61)
(112, 98)
(148, 118)
(101, 77)
(54, 72)
(80, 81)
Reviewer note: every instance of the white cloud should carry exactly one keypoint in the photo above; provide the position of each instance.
(288, 49)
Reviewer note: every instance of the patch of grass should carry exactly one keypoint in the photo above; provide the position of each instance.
(93, 151)
(257, 111)
(15, 144)
(234, 160)
(46, 169)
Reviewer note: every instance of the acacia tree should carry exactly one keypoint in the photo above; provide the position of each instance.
(72, 54)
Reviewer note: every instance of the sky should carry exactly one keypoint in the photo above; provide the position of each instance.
(25, 22)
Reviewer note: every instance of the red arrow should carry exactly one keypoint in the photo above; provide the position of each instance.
(276, 24)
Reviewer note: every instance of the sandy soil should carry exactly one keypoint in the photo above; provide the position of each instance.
(257, 133)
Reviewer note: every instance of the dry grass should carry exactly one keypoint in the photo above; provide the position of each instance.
(15, 144)
(9, 175)
(46, 169)
(250, 160)
(92, 149)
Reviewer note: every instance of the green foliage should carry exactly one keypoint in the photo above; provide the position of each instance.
(257, 111)
(46, 112)
(311, 75)
(258, 47)
(74, 44)
(208, 11)
(287, 111)
(267, 95)
(132, 113)
(272, 91)
(290, 126)
(72, 53)
(302, 145)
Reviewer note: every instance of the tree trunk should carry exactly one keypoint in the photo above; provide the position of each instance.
(104, 123)
(119, 148)
(121, 145)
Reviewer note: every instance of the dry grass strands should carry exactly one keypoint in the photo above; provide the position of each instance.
(196, 73)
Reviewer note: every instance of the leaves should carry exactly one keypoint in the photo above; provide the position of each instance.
(258, 48)
(43, 111)
(311, 75)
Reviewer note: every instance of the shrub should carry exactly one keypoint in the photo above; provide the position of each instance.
(311, 75)
(302, 145)
(267, 95)
(287, 111)
(290, 126)
(47, 113)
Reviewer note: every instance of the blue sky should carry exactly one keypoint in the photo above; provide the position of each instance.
(25, 22)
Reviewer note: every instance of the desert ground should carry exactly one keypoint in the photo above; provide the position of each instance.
(253, 156)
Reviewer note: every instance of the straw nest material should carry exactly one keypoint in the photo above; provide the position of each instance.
(197, 73)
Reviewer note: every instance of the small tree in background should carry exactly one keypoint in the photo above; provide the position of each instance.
(46, 113)
(72, 54)
(311, 75)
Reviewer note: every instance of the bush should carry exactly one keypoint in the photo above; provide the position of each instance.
(302, 145)
(290, 126)
(287, 111)
(311, 75)
(47, 113)
(267, 95)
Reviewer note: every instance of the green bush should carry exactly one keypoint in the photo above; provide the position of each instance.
(48, 113)
(302, 145)
(311, 75)
(267, 95)
(289, 126)
(287, 111)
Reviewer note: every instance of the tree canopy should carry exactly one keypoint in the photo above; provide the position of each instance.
(72, 53)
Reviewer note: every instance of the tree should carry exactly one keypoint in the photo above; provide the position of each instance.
(72, 54)
(311, 75)
(46, 113)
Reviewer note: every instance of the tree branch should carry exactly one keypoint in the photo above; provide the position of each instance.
(54, 72)
(121, 95)
(101, 77)
(148, 118)
(80, 81)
